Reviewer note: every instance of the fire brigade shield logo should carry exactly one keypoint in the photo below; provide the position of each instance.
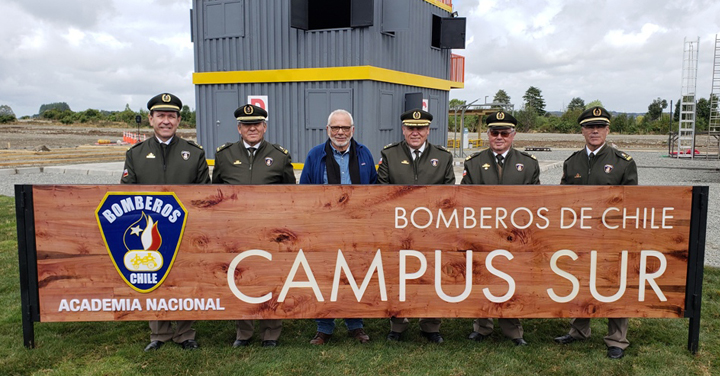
(142, 232)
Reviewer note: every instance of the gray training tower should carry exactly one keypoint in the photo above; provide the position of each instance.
(302, 59)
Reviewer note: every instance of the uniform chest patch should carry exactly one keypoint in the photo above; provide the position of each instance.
(142, 233)
(237, 162)
(520, 167)
(485, 166)
(405, 161)
(269, 161)
(434, 162)
(608, 168)
(150, 156)
(577, 176)
(185, 154)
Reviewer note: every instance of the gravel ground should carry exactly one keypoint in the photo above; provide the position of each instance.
(654, 168)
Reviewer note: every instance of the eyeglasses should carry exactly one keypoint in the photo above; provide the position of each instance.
(504, 134)
(595, 126)
(338, 129)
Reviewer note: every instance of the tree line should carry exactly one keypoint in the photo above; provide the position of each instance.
(533, 117)
(61, 112)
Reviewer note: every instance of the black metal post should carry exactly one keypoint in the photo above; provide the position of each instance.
(696, 263)
(27, 256)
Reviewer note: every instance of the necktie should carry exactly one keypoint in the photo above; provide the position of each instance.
(251, 153)
(417, 157)
(500, 160)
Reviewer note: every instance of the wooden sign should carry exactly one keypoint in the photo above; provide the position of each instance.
(360, 251)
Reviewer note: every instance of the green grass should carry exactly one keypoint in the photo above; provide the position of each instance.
(659, 346)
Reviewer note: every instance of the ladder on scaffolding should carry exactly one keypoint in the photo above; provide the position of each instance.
(714, 121)
(686, 126)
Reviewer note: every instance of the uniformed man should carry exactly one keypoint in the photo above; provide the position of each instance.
(252, 160)
(599, 164)
(500, 164)
(415, 161)
(166, 159)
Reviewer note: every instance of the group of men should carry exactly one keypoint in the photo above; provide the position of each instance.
(167, 159)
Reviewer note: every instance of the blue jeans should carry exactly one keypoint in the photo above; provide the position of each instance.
(327, 326)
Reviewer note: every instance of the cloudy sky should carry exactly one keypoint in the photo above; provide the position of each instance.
(105, 54)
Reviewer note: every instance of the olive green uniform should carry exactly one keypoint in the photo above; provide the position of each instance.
(152, 162)
(180, 162)
(271, 164)
(434, 166)
(519, 168)
(608, 167)
(396, 166)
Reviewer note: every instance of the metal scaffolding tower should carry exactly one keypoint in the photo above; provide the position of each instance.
(686, 130)
(714, 122)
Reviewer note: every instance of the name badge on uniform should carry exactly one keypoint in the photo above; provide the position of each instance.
(185, 155)
(608, 168)
(269, 161)
(150, 156)
(485, 166)
(520, 167)
(434, 162)
(405, 161)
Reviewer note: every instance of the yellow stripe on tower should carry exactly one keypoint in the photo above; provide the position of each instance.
(355, 73)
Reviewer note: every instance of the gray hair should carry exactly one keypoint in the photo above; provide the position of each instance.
(341, 111)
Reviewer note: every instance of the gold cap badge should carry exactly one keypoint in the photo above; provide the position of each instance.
(416, 115)
(597, 112)
(501, 115)
(248, 110)
(166, 98)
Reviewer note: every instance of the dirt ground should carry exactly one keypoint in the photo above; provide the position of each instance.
(32, 135)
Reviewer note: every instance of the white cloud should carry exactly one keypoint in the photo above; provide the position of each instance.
(620, 38)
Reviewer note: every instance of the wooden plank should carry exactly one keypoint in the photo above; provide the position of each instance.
(224, 221)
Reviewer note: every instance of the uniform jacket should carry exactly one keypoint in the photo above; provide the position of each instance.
(396, 165)
(314, 169)
(519, 168)
(609, 167)
(180, 162)
(271, 164)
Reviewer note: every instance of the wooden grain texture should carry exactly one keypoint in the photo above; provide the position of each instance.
(223, 221)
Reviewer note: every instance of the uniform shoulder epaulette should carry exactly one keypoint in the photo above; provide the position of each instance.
(528, 155)
(573, 154)
(473, 155)
(622, 154)
(391, 145)
(440, 147)
(137, 144)
(195, 144)
(282, 149)
(223, 147)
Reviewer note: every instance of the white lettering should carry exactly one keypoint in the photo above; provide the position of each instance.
(495, 272)
(289, 282)
(650, 277)
(468, 278)
(404, 276)
(231, 276)
(564, 274)
(342, 266)
(593, 278)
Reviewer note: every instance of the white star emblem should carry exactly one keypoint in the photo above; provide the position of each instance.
(135, 230)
